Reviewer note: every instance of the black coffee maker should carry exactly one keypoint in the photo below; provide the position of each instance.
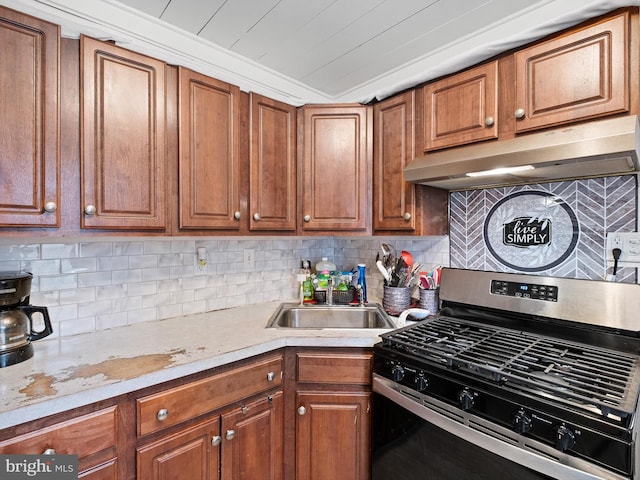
(17, 318)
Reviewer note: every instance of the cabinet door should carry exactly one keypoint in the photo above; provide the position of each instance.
(332, 435)
(189, 453)
(579, 75)
(252, 440)
(123, 138)
(208, 169)
(336, 168)
(92, 437)
(29, 130)
(272, 165)
(394, 200)
(462, 108)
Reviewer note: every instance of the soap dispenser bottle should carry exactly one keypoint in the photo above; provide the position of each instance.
(362, 281)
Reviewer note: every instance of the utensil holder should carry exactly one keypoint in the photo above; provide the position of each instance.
(395, 300)
(430, 300)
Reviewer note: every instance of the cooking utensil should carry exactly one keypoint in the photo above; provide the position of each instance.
(407, 258)
(389, 252)
(437, 273)
(396, 274)
(383, 271)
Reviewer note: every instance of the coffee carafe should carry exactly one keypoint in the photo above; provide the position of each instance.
(20, 323)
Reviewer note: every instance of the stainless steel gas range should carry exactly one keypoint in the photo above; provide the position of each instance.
(519, 376)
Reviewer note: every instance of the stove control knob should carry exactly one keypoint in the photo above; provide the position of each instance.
(521, 422)
(421, 382)
(466, 399)
(565, 439)
(397, 373)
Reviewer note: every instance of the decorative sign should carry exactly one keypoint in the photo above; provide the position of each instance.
(531, 231)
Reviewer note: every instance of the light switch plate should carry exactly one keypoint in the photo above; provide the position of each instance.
(629, 243)
(249, 259)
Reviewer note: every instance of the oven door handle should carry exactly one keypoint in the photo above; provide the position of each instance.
(413, 402)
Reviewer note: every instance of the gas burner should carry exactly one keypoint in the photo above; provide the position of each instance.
(596, 380)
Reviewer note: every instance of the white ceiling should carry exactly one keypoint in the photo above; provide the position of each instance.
(318, 51)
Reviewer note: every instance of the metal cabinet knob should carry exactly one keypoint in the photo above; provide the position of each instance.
(271, 376)
(519, 113)
(489, 121)
(237, 215)
(162, 414)
(49, 451)
(50, 207)
(407, 216)
(256, 216)
(307, 218)
(301, 410)
(215, 441)
(230, 434)
(90, 210)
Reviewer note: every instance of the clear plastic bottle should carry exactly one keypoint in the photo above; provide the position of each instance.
(323, 271)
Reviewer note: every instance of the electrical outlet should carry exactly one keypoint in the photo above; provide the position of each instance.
(249, 259)
(628, 243)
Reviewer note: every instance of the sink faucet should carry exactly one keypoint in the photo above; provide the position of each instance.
(360, 291)
(330, 290)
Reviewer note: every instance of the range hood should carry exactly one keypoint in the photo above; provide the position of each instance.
(593, 149)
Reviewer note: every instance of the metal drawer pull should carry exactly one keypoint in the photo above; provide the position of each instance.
(519, 113)
(302, 410)
(407, 216)
(162, 415)
(215, 441)
(307, 218)
(49, 451)
(90, 210)
(271, 376)
(489, 121)
(230, 434)
(237, 215)
(50, 207)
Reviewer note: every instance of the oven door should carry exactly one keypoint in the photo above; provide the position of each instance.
(414, 442)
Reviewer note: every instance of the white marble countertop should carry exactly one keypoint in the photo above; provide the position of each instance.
(70, 372)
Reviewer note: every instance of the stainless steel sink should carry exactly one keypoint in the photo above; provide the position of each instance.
(292, 315)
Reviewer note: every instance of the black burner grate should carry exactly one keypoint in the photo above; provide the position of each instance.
(599, 380)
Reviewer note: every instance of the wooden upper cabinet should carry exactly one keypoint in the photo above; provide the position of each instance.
(272, 202)
(335, 169)
(29, 127)
(462, 108)
(208, 148)
(123, 128)
(581, 74)
(394, 200)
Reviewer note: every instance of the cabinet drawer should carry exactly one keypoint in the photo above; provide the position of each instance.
(335, 368)
(92, 437)
(176, 405)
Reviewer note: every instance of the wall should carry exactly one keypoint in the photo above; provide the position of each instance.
(600, 205)
(91, 285)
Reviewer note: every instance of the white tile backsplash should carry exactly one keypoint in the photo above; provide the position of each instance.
(108, 283)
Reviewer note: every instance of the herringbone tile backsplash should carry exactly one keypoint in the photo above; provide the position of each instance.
(601, 205)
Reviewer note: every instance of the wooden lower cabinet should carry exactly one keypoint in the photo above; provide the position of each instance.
(189, 453)
(328, 413)
(94, 437)
(333, 435)
(252, 440)
(244, 443)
